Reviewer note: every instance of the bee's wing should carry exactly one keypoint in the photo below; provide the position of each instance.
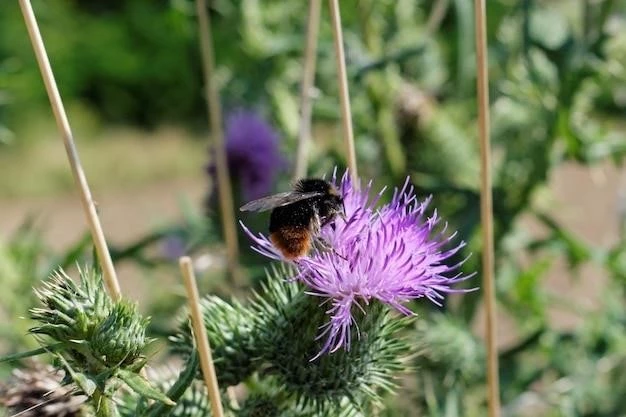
(277, 200)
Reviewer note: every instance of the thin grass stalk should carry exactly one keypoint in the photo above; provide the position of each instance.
(486, 207)
(437, 14)
(63, 124)
(308, 79)
(202, 342)
(344, 96)
(214, 110)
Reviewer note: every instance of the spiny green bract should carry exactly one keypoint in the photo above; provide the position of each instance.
(121, 337)
(289, 320)
(71, 312)
(274, 401)
(230, 331)
(96, 332)
(259, 406)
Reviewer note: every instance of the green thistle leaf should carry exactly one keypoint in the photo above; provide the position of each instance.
(143, 387)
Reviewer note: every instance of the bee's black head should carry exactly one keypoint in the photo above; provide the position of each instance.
(329, 207)
(329, 204)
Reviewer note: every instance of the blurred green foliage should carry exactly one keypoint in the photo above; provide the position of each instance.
(558, 94)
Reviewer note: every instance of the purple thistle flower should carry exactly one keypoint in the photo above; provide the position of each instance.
(252, 152)
(393, 254)
(173, 247)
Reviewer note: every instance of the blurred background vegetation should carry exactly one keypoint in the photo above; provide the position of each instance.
(130, 75)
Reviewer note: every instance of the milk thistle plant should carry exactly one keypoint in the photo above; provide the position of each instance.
(325, 335)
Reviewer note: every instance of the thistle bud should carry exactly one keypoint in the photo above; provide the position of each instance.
(121, 337)
(71, 312)
(84, 315)
(98, 341)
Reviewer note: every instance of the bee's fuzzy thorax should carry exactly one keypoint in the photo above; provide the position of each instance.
(309, 185)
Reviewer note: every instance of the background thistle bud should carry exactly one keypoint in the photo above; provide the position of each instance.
(447, 346)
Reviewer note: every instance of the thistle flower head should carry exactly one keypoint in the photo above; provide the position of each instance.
(252, 153)
(393, 254)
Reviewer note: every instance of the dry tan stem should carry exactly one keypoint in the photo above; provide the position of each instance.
(342, 77)
(214, 110)
(63, 124)
(436, 16)
(202, 342)
(486, 207)
(308, 78)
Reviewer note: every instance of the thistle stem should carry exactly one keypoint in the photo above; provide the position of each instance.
(63, 124)
(104, 406)
(344, 96)
(486, 207)
(308, 78)
(202, 341)
(214, 109)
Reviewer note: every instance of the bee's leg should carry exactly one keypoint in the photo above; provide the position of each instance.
(321, 244)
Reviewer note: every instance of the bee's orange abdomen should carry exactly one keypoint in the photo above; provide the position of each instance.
(293, 242)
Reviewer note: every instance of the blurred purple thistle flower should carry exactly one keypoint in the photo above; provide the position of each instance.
(252, 152)
(173, 247)
(393, 254)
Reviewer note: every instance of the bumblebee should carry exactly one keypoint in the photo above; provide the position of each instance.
(298, 216)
